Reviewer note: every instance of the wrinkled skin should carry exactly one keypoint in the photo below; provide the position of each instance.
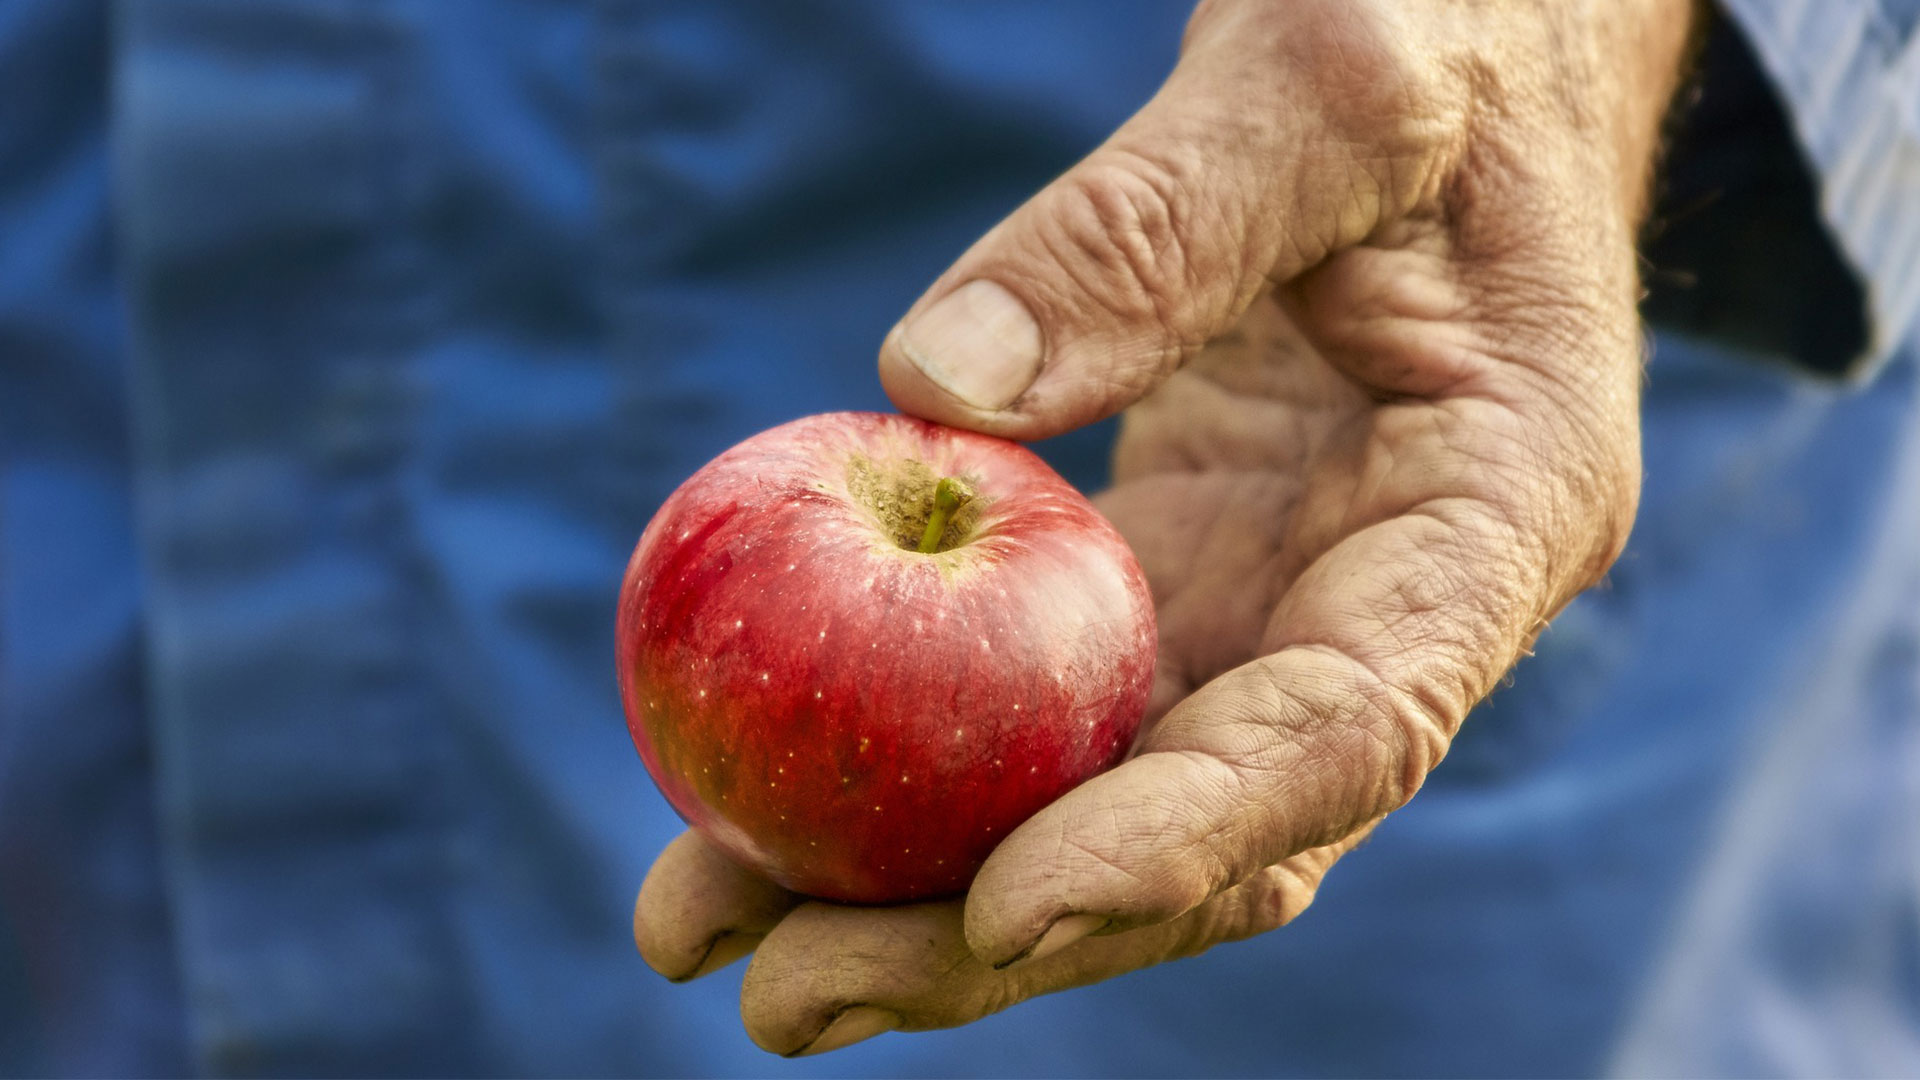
(1367, 270)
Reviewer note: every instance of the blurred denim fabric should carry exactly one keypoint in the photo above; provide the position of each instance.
(345, 348)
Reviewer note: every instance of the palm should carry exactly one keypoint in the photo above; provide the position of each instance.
(1229, 480)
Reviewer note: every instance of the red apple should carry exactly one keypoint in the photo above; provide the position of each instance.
(859, 649)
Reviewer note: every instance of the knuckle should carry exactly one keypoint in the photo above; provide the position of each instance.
(824, 959)
(1123, 214)
(1155, 881)
(1615, 500)
(1582, 495)
(1267, 900)
(1409, 729)
(1555, 487)
(1611, 502)
(1402, 685)
(1119, 228)
(775, 1007)
(1272, 898)
(1169, 841)
(1395, 108)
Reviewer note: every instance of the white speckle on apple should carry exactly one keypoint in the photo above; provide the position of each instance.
(986, 645)
(959, 733)
(864, 741)
(823, 635)
(703, 693)
(684, 533)
(816, 697)
(876, 808)
(790, 566)
(763, 677)
(904, 779)
(1033, 768)
(738, 623)
(1016, 707)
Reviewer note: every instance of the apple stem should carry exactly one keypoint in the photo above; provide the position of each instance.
(948, 496)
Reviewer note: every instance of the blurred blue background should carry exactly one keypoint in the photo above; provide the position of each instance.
(346, 347)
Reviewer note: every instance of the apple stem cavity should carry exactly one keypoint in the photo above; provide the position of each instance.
(948, 496)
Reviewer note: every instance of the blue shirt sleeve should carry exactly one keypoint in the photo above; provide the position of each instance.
(1849, 74)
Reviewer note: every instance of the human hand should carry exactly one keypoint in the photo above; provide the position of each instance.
(1375, 264)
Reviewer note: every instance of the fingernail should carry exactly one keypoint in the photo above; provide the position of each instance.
(857, 1024)
(724, 950)
(1065, 930)
(979, 343)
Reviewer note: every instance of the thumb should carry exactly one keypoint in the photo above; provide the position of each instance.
(1238, 173)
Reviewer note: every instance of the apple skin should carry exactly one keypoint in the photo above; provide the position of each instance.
(855, 719)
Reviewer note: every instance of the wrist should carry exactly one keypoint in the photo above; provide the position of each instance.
(1648, 42)
(1574, 87)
